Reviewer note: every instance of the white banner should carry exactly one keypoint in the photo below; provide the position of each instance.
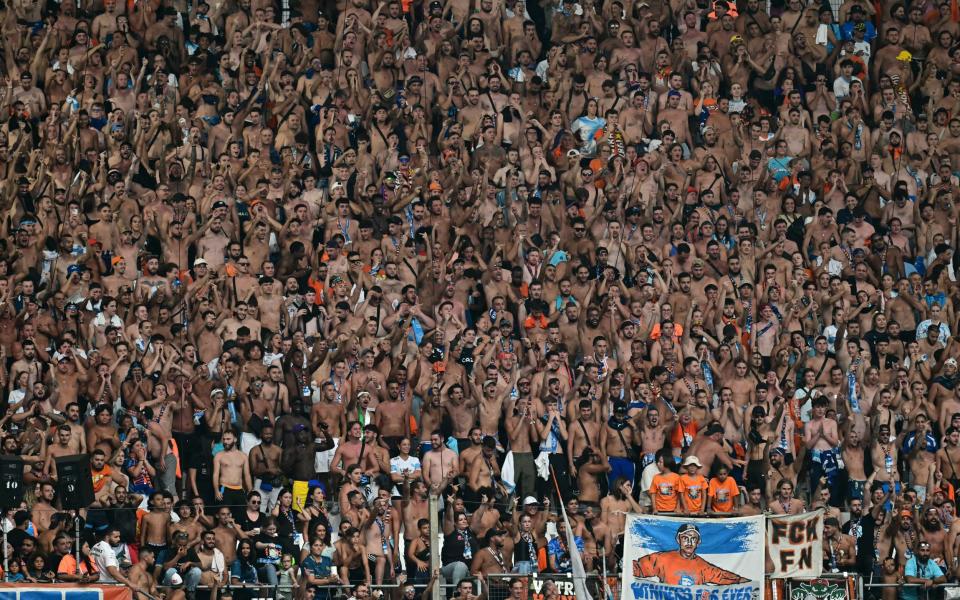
(693, 559)
(795, 544)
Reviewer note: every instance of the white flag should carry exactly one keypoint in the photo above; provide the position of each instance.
(576, 563)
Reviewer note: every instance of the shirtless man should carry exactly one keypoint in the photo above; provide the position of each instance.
(491, 408)
(463, 415)
(327, 419)
(582, 433)
(155, 526)
(141, 576)
(43, 508)
(839, 550)
(472, 451)
(523, 433)
(102, 433)
(231, 473)
(415, 508)
(821, 439)
(347, 453)
(78, 438)
(376, 458)
(214, 571)
(68, 375)
(392, 417)
(921, 447)
(709, 448)
(188, 523)
(492, 559)
(948, 457)
(378, 534)
(440, 464)
(785, 503)
(228, 533)
(884, 457)
(63, 447)
(265, 467)
(653, 435)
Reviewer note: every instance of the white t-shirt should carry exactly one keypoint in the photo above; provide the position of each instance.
(104, 557)
(398, 464)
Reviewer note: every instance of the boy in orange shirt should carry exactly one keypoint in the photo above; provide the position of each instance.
(665, 488)
(723, 492)
(693, 486)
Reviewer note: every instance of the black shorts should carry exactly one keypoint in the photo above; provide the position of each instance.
(357, 575)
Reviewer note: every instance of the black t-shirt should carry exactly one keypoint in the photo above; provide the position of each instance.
(287, 524)
(201, 459)
(866, 542)
(248, 524)
(190, 557)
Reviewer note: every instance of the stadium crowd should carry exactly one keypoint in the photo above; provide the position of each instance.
(285, 270)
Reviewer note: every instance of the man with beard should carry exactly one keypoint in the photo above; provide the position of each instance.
(778, 471)
(618, 438)
(152, 288)
(463, 414)
(948, 457)
(921, 570)
(231, 473)
(213, 568)
(104, 477)
(265, 459)
(141, 576)
(492, 559)
(227, 534)
(392, 417)
(297, 459)
(839, 550)
(652, 436)
(212, 243)
(933, 532)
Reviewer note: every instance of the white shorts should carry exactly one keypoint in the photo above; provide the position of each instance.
(322, 460)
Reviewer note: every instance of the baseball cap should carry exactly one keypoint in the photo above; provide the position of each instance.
(692, 460)
(530, 500)
(200, 261)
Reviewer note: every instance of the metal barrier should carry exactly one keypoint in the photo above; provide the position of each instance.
(335, 592)
(915, 591)
(537, 586)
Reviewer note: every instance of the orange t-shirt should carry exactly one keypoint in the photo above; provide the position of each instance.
(722, 494)
(100, 477)
(694, 489)
(683, 435)
(672, 568)
(665, 491)
(68, 564)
